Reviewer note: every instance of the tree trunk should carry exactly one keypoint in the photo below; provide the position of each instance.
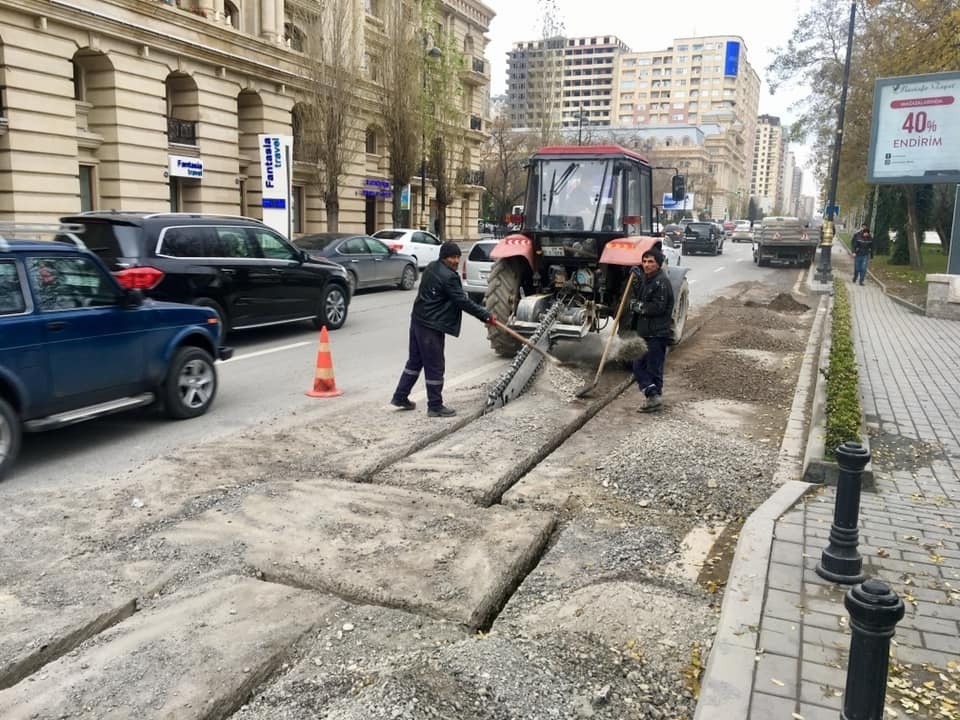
(913, 231)
(441, 221)
(332, 204)
(395, 211)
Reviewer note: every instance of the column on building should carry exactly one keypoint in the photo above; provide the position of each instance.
(218, 140)
(269, 20)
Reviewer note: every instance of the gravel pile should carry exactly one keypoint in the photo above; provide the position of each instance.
(736, 376)
(753, 339)
(683, 467)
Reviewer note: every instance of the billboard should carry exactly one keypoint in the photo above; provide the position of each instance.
(915, 134)
(669, 204)
(276, 153)
(731, 59)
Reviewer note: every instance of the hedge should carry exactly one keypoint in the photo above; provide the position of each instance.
(843, 399)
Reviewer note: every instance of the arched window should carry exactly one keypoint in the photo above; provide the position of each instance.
(231, 15)
(372, 140)
(294, 36)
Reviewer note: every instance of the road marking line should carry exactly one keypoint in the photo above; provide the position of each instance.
(719, 268)
(258, 353)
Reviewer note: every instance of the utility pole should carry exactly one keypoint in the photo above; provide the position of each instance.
(824, 270)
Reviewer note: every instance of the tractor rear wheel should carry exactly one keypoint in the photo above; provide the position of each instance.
(504, 289)
(681, 304)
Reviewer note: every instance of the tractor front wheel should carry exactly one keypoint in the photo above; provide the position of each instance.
(504, 290)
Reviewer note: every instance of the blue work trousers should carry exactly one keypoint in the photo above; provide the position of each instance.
(425, 353)
(860, 267)
(648, 368)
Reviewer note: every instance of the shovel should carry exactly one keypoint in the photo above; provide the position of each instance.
(587, 389)
(520, 338)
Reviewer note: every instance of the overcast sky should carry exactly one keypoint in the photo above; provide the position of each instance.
(652, 25)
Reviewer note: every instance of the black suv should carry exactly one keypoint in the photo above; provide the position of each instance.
(702, 236)
(243, 270)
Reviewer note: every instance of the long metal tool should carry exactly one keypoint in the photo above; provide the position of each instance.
(587, 389)
(520, 338)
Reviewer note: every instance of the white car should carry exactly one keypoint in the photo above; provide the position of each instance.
(422, 245)
(475, 268)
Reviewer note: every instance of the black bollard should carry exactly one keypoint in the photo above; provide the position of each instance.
(840, 561)
(874, 611)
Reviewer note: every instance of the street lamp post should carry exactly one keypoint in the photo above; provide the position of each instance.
(433, 52)
(580, 127)
(824, 271)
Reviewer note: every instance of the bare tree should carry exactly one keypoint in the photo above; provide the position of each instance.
(442, 112)
(401, 116)
(501, 159)
(545, 76)
(329, 36)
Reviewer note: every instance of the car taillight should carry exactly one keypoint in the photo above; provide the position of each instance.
(396, 246)
(139, 278)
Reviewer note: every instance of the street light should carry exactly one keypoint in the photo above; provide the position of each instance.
(824, 271)
(433, 52)
(580, 126)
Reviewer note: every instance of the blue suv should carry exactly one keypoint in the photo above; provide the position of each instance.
(75, 345)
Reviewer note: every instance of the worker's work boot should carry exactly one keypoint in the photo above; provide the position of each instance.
(652, 404)
(403, 404)
(442, 411)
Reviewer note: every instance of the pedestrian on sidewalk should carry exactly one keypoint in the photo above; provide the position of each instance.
(437, 312)
(862, 246)
(652, 307)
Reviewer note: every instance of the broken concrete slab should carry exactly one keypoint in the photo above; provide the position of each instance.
(524, 432)
(379, 545)
(198, 653)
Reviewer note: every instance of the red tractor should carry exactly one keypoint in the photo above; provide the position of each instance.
(587, 219)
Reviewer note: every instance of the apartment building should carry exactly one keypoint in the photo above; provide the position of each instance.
(566, 82)
(157, 104)
(766, 185)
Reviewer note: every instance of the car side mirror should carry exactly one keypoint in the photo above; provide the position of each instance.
(132, 298)
(305, 256)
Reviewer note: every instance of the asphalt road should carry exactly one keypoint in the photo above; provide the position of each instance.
(272, 368)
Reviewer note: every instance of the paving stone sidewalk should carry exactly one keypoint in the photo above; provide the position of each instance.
(909, 369)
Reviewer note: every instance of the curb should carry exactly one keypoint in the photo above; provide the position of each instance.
(727, 682)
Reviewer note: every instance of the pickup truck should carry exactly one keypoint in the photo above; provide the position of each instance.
(783, 240)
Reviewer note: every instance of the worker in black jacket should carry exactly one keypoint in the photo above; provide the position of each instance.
(436, 313)
(652, 307)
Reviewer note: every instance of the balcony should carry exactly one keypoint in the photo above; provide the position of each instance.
(181, 132)
(466, 176)
(476, 72)
(476, 123)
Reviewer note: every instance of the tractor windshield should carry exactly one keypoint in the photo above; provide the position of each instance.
(573, 195)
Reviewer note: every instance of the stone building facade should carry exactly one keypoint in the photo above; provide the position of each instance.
(156, 105)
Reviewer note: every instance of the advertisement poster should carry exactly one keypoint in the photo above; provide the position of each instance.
(669, 204)
(276, 153)
(915, 135)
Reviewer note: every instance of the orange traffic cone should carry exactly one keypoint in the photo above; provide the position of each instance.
(323, 383)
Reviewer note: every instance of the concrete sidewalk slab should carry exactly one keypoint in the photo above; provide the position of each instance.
(196, 654)
(379, 545)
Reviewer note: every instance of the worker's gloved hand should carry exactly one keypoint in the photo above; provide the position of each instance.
(636, 306)
(637, 272)
(492, 319)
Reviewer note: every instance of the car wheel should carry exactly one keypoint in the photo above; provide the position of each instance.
(333, 308)
(352, 282)
(409, 277)
(10, 432)
(221, 315)
(191, 383)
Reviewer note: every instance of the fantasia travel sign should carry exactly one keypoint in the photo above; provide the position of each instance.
(915, 135)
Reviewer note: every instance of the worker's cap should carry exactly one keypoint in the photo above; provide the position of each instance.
(449, 249)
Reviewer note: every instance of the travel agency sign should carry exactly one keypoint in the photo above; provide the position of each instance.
(915, 135)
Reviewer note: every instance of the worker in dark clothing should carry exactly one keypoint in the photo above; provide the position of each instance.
(862, 244)
(437, 312)
(652, 307)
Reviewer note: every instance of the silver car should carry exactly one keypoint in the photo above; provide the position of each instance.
(475, 268)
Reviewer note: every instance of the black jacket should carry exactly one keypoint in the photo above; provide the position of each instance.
(862, 245)
(655, 293)
(441, 300)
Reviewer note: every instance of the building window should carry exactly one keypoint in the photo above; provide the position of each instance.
(79, 82)
(231, 14)
(294, 36)
(88, 192)
(296, 209)
(371, 141)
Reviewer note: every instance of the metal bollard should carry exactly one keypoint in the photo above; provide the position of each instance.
(840, 561)
(874, 611)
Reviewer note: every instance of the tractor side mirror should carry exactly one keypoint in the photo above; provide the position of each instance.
(678, 189)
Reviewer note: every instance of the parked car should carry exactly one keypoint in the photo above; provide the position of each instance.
(742, 232)
(423, 245)
(475, 268)
(702, 236)
(247, 273)
(367, 260)
(75, 344)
